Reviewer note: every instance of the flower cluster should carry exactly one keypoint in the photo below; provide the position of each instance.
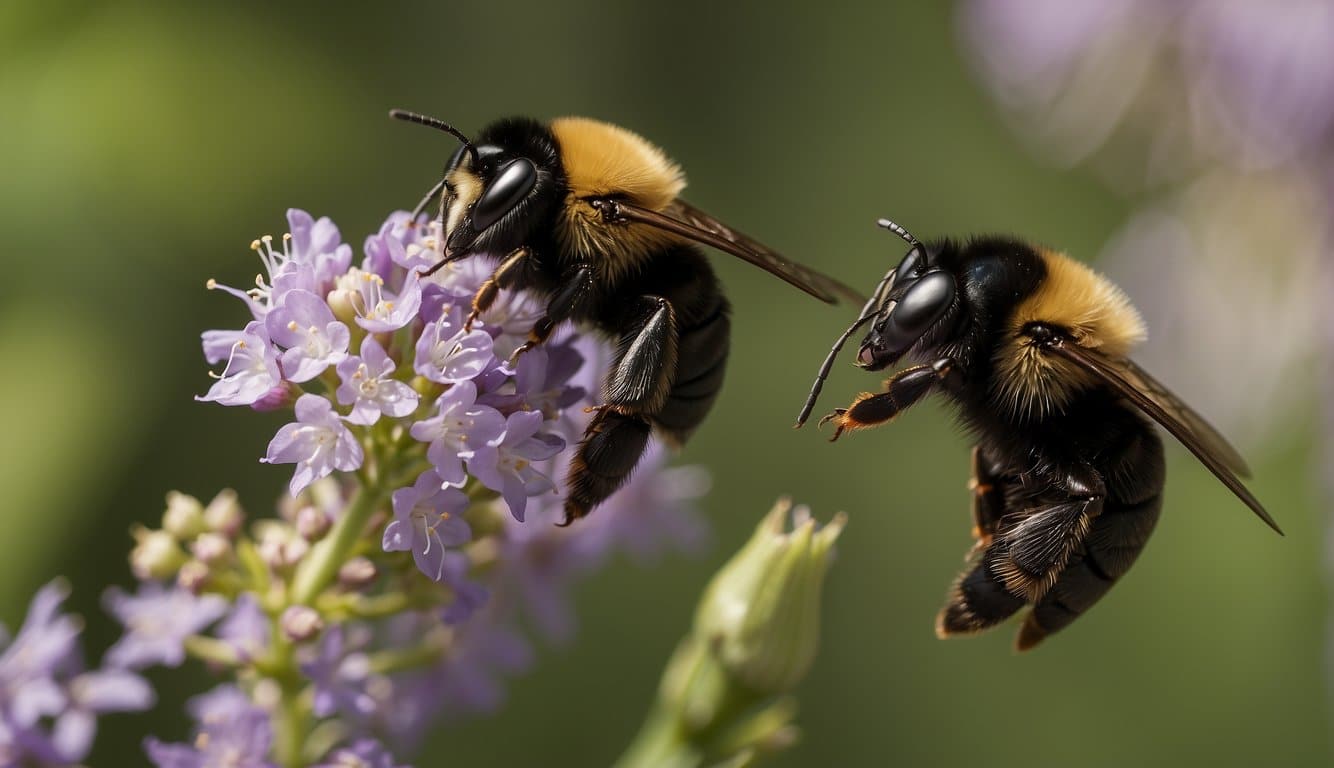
(417, 535)
(49, 702)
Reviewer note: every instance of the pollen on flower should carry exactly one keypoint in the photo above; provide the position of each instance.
(211, 284)
(292, 326)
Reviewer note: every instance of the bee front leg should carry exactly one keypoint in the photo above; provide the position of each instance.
(902, 391)
(561, 306)
(505, 273)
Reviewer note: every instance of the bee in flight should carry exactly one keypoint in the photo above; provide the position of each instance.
(587, 216)
(1068, 473)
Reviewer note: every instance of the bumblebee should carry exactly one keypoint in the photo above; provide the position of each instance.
(1068, 471)
(588, 216)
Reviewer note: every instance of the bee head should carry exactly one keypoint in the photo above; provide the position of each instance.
(494, 187)
(918, 298)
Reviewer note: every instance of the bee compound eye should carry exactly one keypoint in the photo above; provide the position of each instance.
(512, 183)
(920, 307)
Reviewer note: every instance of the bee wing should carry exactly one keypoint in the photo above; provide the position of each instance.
(1156, 401)
(683, 219)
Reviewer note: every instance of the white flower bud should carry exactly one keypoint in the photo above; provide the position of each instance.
(301, 623)
(193, 576)
(212, 548)
(184, 517)
(156, 555)
(357, 572)
(312, 523)
(224, 514)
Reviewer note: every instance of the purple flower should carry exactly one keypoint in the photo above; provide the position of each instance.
(510, 319)
(467, 682)
(427, 519)
(246, 628)
(448, 354)
(91, 694)
(318, 443)
(252, 366)
(319, 245)
(461, 427)
(48, 704)
(379, 310)
(157, 620)
(306, 326)
(44, 643)
(340, 670)
(231, 732)
(508, 466)
(368, 387)
(363, 753)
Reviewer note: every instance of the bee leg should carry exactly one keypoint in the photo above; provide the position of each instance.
(559, 308)
(636, 387)
(505, 273)
(612, 446)
(988, 504)
(902, 391)
(1028, 552)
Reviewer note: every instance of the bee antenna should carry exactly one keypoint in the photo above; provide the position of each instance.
(870, 310)
(438, 124)
(900, 231)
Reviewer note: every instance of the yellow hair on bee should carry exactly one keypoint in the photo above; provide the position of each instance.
(604, 160)
(1093, 310)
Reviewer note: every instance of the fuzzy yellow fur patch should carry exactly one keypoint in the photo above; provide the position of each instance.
(1093, 310)
(604, 160)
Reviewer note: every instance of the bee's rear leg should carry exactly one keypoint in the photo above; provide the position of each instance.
(636, 387)
(988, 490)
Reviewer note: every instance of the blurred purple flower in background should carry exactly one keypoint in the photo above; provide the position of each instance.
(48, 703)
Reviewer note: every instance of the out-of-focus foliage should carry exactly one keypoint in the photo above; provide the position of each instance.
(144, 144)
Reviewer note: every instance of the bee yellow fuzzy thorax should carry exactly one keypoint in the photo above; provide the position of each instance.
(1093, 310)
(604, 160)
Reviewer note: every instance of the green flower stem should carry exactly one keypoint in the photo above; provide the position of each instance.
(291, 725)
(321, 566)
(212, 650)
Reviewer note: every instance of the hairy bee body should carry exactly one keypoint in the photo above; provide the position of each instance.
(1068, 469)
(587, 216)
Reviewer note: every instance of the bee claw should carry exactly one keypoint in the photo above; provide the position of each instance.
(468, 323)
(840, 417)
(527, 345)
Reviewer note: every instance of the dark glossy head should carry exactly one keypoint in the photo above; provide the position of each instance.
(921, 299)
(505, 190)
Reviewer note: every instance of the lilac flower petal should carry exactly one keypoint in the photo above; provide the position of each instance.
(157, 621)
(251, 372)
(368, 387)
(305, 325)
(318, 443)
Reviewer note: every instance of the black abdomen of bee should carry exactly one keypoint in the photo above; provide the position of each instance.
(672, 330)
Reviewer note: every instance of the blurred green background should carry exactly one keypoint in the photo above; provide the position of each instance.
(144, 144)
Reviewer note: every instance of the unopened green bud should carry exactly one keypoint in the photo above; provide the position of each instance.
(761, 612)
(184, 517)
(156, 555)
